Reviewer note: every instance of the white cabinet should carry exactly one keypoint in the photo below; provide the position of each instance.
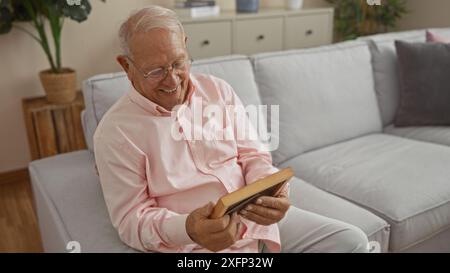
(308, 30)
(265, 31)
(209, 39)
(258, 35)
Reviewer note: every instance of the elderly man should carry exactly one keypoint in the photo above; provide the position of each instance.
(158, 189)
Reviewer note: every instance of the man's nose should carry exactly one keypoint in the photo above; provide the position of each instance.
(171, 80)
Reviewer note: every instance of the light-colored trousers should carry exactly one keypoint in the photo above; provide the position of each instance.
(302, 231)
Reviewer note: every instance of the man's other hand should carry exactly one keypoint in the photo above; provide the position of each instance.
(267, 210)
(213, 234)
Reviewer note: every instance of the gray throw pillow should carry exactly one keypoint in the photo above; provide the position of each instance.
(424, 84)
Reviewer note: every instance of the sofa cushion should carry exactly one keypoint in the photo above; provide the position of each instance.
(235, 70)
(385, 69)
(102, 91)
(441, 32)
(424, 84)
(310, 198)
(325, 95)
(405, 182)
(66, 187)
(435, 38)
(385, 66)
(438, 135)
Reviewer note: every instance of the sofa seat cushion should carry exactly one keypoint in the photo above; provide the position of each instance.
(326, 95)
(69, 196)
(438, 135)
(310, 198)
(406, 182)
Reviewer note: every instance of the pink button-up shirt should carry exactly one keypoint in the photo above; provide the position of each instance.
(151, 181)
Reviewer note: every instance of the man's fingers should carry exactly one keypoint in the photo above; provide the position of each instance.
(206, 210)
(284, 192)
(229, 235)
(257, 218)
(265, 212)
(280, 203)
(217, 225)
(234, 224)
(221, 224)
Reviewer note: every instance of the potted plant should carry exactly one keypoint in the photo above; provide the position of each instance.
(59, 82)
(354, 18)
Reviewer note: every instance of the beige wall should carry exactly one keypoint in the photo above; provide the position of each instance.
(91, 47)
(424, 14)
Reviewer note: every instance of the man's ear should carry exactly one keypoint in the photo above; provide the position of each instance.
(185, 41)
(122, 60)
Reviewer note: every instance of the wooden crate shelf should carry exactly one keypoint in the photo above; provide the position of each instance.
(53, 128)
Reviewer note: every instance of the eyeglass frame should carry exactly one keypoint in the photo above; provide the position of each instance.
(146, 75)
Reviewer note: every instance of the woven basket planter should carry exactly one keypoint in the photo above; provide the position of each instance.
(61, 87)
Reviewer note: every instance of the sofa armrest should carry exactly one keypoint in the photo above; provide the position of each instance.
(70, 204)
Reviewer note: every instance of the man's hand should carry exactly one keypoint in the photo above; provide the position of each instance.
(267, 210)
(213, 234)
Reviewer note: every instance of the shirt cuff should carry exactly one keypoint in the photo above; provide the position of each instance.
(175, 228)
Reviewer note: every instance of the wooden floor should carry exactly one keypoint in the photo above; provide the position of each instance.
(19, 230)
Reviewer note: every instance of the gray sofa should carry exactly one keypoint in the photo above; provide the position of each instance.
(337, 104)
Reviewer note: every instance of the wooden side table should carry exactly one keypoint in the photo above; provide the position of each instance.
(53, 128)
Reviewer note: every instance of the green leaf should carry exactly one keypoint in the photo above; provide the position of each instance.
(6, 19)
(20, 12)
(5, 3)
(76, 12)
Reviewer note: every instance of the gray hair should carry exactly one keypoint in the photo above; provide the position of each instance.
(146, 19)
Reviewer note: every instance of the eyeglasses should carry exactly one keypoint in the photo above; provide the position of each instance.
(160, 73)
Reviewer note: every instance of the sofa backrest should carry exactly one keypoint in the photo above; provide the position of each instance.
(326, 95)
(385, 66)
(102, 91)
(237, 71)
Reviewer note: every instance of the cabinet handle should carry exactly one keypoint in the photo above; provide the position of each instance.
(260, 38)
(206, 43)
(309, 32)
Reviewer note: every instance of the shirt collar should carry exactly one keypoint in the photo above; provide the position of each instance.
(154, 108)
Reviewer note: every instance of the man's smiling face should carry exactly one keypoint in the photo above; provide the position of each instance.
(154, 49)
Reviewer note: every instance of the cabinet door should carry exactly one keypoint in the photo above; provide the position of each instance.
(208, 39)
(308, 30)
(258, 35)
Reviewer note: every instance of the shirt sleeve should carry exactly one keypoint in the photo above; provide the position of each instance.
(134, 213)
